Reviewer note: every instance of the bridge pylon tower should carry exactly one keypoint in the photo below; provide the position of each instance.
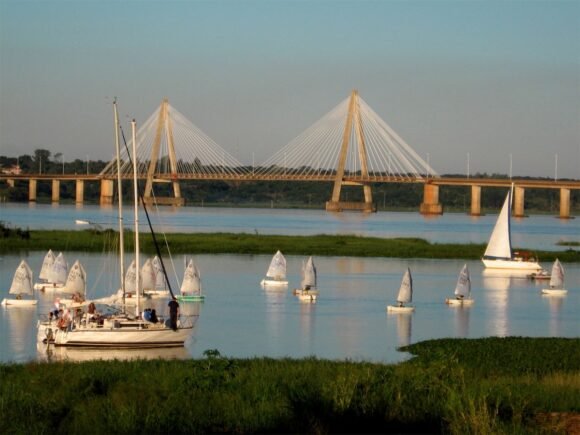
(164, 126)
(353, 120)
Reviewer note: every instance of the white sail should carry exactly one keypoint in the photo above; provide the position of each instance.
(499, 245)
(131, 279)
(47, 264)
(557, 277)
(76, 281)
(22, 281)
(406, 289)
(159, 276)
(463, 287)
(148, 275)
(308, 274)
(191, 284)
(59, 271)
(277, 269)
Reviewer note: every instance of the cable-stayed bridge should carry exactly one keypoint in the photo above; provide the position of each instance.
(350, 145)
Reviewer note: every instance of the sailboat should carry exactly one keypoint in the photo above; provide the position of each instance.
(405, 295)
(499, 254)
(159, 289)
(191, 284)
(276, 274)
(57, 274)
(123, 330)
(21, 286)
(43, 275)
(308, 290)
(462, 289)
(76, 286)
(556, 281)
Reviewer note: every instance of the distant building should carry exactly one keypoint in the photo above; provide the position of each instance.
(12, 170)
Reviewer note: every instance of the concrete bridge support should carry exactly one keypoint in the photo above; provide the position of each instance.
(10, 182)
(80, 191)
(564, 204)
(430, 203)
(519, 193)
(107, 190)
(32, 190)
(475, 201)
(55, 190)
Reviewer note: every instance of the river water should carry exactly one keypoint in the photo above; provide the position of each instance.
(349, 320)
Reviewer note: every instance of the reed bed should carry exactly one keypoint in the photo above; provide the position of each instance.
(492, 385)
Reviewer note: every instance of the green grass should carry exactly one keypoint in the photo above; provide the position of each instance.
(494, 385)
(219, 243)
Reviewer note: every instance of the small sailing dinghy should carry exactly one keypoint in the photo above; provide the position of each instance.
(499, 253)
(556, 281)
(21, 286)
(276, 274)
(462, 290)
(159, 290)
(191, 284)
(405, 295)
(45, 269)
(75, 286)
(308, 291)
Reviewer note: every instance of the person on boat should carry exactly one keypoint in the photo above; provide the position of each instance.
(147, 314)
(154, 318)
(173, 313)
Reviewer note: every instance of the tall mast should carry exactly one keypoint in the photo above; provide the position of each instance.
(136, 212)
(120, 195)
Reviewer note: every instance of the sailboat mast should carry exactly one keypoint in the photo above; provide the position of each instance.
(136, 212)
(120, 201)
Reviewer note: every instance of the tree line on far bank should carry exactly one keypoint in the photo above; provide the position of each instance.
(280, 194)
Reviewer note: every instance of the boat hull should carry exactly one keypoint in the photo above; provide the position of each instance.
(47, 286)
(459, 302)
(554, 292)
(397, 309)
(273, 283)
(190, 298)
(307, 297)
(516, 264)
(19, 302)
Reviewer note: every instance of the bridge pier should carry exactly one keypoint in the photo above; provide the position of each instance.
(80, 191)
(564, 203)
(10, 182)
(107, 190)
(475, 200)
(55, 190)
(519, 193)
(32, 190)
(431, 203)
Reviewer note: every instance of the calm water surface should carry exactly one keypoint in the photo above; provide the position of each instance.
(349, 320)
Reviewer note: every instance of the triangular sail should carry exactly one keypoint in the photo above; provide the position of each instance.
(47, 264)
(308, 274)
(406, 289)
(148, 275)
(499, 245)
(22, 281)
(463, 287)
(277, 267)
(59, 271)
(557, 277)
(191, 284)
(76, 282)
(130, 279)
(159, 276)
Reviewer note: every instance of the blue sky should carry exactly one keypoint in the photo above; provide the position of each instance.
(488, 78)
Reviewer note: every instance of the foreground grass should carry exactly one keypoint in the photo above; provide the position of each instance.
(489, 385)
(219, 243)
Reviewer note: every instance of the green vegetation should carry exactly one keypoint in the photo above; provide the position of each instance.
(220, 243)
(493, 385)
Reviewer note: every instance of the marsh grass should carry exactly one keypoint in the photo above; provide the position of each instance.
(453, 386)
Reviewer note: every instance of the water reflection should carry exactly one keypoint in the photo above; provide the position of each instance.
(403, 324)
(19, 331)
(555, 303)
(496, 284)
(52, 354)
(461, 320)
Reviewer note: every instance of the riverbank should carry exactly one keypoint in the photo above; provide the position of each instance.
(489, 385)
(15, 241)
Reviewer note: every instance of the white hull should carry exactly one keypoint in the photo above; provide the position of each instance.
(299, 291)
(157, 293)
(273, 283)
(397, 309)
(459, 302)
(516, 264)
(19, 302)
(554, 292)
(47, 286)
(307, 297)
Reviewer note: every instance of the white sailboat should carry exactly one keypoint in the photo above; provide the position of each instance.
(43, 275)
(405, 295)
(159, 290)
(499, 253)
(556, 281)
(308, 290)
(76, 286)
(123, 330)
(21, 286)
(191, 284)
(57, 274)
(462, 289)
(276, 274)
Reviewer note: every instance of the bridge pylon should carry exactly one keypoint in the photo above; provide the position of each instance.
(353, 121)
(164, 127)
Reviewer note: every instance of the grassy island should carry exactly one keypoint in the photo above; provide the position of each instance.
(243, 243)
(489, 385)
